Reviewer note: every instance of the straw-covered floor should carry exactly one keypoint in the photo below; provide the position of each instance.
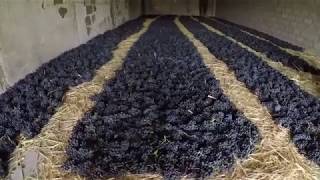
(27, 106)
(275, 157)
(52, 141)
(161, 114)
(275, 145)
(307, 81)
(309, 57)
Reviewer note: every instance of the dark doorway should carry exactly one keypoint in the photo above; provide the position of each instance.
(203, 5)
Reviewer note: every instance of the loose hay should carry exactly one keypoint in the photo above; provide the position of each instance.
(307, 81)
(276, 41)
(310, 58)
(26, 106)
(53, 139)
(275, 157)
(271, 50)
(163, 113)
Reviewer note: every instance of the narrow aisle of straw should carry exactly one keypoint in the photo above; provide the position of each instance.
(309, 57)
(307, 81)
(50, 144)
(275, 157)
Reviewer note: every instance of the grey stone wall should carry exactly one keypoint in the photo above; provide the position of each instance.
(34, 31)
(296, 21)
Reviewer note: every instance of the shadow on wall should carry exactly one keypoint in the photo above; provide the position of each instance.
(180, 7)
(117, 10)
(3, 83)
(203, 6)
(90, 6)
(90, 18)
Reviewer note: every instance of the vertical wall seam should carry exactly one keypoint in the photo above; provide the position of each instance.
(3, 75)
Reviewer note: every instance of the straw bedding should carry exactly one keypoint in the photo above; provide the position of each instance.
(275, 157)
(164, 113)
(271, 51)
(28, 105)
(307, 56)
(51, 143)
(291, 107)
(178, 108)
(306, 81)
(272, 39)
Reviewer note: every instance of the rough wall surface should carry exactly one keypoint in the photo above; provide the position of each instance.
(296, 21)
(2, 78)
(211, 11)
(34, 31)
(177, 7)
(135, 8)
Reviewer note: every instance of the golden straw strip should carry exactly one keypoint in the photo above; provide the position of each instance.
(275, 157)
(311, 59)
(306, 81)
(51, 143)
